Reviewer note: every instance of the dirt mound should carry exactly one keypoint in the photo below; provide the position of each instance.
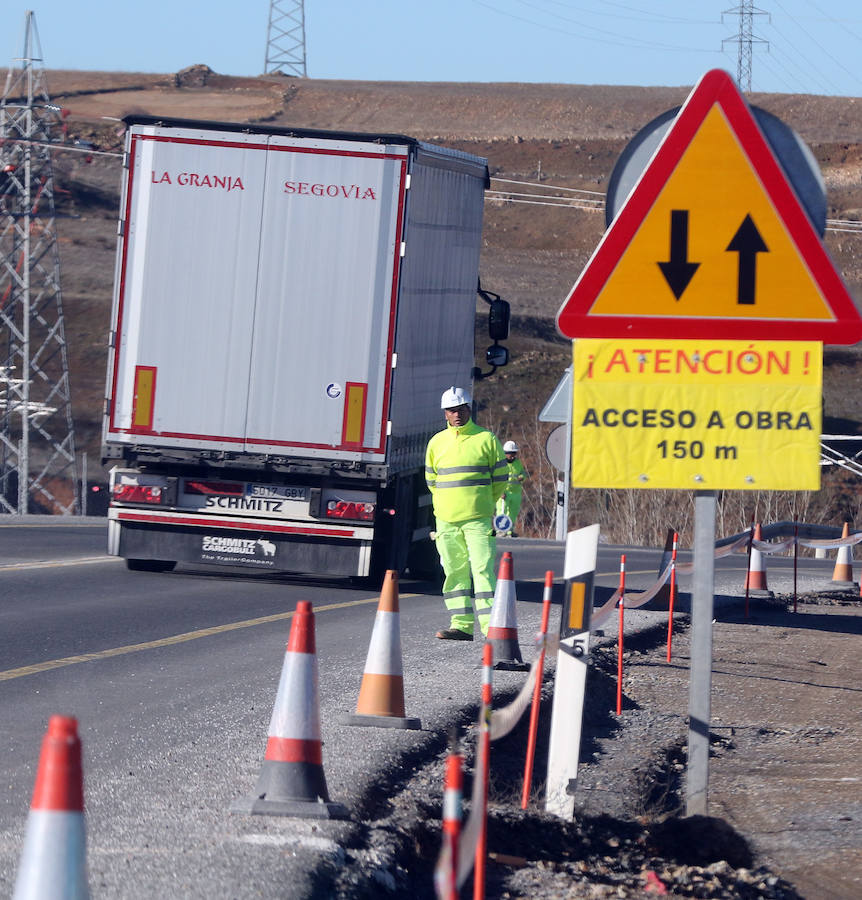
(193, 76)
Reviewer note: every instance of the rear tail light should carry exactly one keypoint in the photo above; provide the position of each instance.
(223, 488)
(138, 493)
(349, 509)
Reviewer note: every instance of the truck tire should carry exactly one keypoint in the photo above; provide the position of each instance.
(150, 565)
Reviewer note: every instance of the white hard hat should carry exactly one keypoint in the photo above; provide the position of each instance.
(455, 396)
(510, 447)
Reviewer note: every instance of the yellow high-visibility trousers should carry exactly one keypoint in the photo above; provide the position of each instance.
(510, 505)
(467, 553)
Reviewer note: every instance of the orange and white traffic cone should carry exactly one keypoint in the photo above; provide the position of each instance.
(53, 861)
(381, 695)
(755, 579)
(503, 624)
(291, 780)
(842, 574)
(662, 598)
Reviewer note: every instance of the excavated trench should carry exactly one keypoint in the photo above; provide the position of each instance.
(603, 852)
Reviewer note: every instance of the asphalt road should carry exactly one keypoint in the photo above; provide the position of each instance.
(173, 677)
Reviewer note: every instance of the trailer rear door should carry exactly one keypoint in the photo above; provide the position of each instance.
(256, 290)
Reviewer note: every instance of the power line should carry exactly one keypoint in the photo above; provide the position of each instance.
(822, 49)
(847, 226)
(534, 184)
(612, 38)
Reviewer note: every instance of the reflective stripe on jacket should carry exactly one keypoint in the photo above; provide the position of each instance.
(466, 472)
(517, 475)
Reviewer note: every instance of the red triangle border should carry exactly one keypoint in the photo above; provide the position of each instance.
(715, 87)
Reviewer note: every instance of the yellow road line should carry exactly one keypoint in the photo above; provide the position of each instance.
(46, 666)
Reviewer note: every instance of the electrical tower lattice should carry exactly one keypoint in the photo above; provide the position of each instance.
(745, 39)
(37, 440)
(285, 39)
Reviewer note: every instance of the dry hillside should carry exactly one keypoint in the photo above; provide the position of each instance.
(558, 135)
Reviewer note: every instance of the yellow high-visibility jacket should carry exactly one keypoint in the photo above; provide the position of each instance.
(516, 476)
(465, 469)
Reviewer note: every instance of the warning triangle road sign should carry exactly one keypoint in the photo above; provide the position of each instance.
(712, 242)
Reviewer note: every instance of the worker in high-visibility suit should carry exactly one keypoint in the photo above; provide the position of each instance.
(466, 473)
(509, 504)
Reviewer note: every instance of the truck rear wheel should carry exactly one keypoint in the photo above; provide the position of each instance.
(150, 565)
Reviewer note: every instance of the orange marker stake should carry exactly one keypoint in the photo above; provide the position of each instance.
(485, 739)
(537, 692)
(672, 594)
(447, 880)
(622, 607)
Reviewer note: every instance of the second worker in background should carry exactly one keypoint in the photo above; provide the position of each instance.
(509, 504)
(466, 473)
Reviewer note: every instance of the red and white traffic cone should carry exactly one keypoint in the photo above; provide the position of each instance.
(662, 598)
(503, 624)
(291, 780)
(755, 578)
(842, 574)
(53, 861)
(381, 695)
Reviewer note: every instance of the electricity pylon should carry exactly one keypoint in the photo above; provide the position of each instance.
(745, 39)
(285, 38)
(37, 438)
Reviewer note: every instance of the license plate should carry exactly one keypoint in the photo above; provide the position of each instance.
(276, 492)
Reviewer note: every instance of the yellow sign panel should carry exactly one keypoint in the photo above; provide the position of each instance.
(699, 414)
(716, 242)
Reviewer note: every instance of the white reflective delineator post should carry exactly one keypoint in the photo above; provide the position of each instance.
(570, 683)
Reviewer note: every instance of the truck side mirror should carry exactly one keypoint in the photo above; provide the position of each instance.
(496, 355)
(498, 320)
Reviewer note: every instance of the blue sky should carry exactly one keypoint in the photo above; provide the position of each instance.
(812, 46)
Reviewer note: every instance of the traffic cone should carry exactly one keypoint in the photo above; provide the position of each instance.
(381, 695)
(755, 579)
(53, 861)
(842, 575)
(662, 598)
(503, 624)
(291, 780)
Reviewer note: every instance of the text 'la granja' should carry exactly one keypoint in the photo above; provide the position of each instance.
(193, 179)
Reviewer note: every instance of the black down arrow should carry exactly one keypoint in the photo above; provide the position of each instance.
(747, 242)
(678, 271)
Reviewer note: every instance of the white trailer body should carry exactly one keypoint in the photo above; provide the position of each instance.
(288, 308)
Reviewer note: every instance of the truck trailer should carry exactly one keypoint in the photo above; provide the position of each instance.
(288, 307)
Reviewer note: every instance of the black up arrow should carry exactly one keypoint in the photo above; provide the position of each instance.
(747, 242)
(678, 271)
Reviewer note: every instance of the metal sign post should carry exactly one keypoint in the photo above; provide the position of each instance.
(700, 668)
